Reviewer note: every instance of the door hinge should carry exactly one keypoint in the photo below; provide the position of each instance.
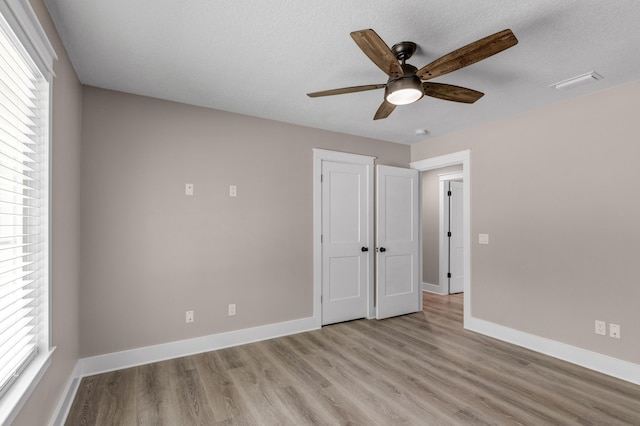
(321, 238)
(321, 178)
(448, 274)
(449, 193)
(449, 234)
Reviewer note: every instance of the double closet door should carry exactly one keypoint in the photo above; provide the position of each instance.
(363, 277)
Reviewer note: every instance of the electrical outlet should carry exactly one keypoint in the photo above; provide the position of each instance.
(232, 309)
(614, 331)
(233, 191)
(601, 328)
(189, 317)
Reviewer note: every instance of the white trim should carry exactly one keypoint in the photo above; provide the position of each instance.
(446, 160)
(442, 250)
(140, 356)
(17, 396)
(24, 22)
(320, 155)
(420, 246)
(317, 242)
(450, 176)
(64, 404)
(464, 158)
(432, 288)
(342, 157)
(614, 367)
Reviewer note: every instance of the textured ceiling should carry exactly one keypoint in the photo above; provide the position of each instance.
(260, 58)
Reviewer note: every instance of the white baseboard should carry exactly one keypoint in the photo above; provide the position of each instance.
(432, 288)
(131, 358)
(614, 367)
(64, 405)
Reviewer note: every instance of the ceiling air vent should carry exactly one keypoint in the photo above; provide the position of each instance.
(579, 80)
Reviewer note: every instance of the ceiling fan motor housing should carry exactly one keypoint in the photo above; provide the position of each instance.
(404, 50)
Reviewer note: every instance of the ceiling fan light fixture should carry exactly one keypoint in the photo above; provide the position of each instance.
(404, 91)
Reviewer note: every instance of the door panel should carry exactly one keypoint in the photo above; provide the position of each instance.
(397, 284)
(344, 207)
(398, 223)
(344, 272)
(398, 277)
(344, 233)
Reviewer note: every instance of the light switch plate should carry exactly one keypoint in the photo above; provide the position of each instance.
(483, 238)
(188, 189)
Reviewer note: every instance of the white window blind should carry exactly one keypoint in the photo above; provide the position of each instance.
(23, 208)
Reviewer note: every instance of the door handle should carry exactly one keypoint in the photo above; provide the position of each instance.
(364, 249)
(382, 249)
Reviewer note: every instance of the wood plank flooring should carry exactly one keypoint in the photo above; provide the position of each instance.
(418, 369)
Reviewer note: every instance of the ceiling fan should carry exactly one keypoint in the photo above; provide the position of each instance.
(406, 83)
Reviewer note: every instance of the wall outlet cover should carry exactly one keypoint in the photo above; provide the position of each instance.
(614, 331)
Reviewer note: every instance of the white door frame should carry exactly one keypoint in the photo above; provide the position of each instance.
(464, 158)
(443, 287)
(320, 155)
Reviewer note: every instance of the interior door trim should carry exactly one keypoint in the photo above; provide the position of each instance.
(455, 158)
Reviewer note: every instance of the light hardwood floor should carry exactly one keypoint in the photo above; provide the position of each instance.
(418, 369)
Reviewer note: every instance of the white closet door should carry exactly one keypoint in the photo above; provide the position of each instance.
(397, 245)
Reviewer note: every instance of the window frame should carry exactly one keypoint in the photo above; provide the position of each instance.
(19, 16)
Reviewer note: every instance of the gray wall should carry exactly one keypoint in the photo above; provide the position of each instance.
(65, 158)
(149, 253)
(430, 186)
(557, 191)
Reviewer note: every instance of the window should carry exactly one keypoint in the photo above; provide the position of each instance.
(24, 204)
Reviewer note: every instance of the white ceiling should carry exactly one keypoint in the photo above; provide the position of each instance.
(260, 58)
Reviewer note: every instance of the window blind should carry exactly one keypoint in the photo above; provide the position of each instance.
(23, 192)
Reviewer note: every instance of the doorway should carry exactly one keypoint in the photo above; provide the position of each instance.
(458, 158)
(435, 227)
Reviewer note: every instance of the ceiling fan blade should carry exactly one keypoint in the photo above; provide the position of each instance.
(449, 92)
(384, 111)
(377, 50)
(469, 54)
(344, 90)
